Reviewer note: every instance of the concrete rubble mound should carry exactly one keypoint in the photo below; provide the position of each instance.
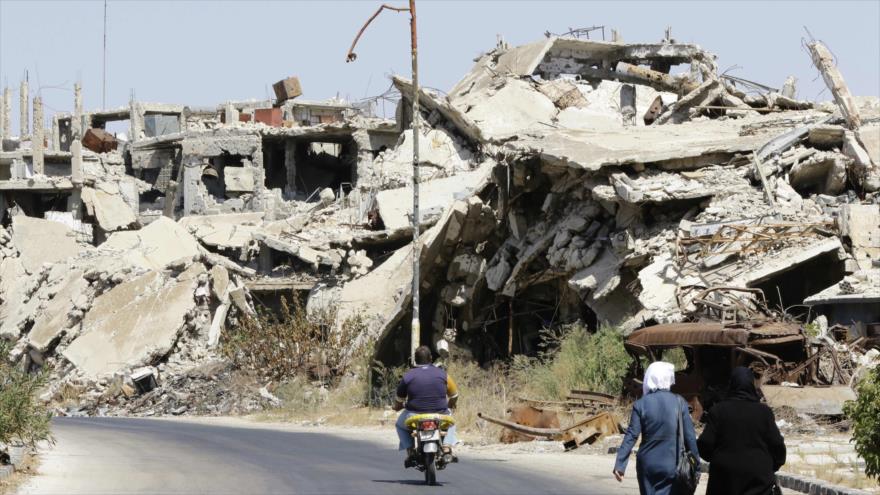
(566, 179)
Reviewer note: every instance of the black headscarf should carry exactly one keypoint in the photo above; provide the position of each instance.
(742, 385)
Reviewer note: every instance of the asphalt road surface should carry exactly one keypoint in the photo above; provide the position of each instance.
(97, 456)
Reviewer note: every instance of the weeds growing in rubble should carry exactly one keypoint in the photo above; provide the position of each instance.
(574, 358)
(294, 343)
(22, 418)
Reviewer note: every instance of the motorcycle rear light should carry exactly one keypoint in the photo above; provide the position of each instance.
(429, 425)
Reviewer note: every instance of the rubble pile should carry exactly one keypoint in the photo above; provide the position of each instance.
(567, 179)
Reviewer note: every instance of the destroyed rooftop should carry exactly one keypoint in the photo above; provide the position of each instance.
(562, 180)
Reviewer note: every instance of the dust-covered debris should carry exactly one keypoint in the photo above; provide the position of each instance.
(563, 180)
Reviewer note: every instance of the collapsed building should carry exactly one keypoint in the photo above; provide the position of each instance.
(563, 180)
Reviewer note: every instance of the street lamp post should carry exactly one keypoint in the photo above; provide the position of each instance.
(415, 330)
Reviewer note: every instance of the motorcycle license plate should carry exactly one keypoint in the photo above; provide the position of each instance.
(426, 436)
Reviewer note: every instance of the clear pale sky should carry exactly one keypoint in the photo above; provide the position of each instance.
(206, 52)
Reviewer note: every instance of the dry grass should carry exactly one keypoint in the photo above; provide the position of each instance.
(27, 469)
(573, 358)
(842, 472)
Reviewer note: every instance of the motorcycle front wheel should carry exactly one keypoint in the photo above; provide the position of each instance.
(430, 469)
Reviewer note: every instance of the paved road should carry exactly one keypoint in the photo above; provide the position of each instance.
(138, 456)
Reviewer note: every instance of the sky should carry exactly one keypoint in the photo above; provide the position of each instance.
(203, 53)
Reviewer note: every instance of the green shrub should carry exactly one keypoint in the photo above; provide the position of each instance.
(864, 412)
(22, 418)
(574, 359)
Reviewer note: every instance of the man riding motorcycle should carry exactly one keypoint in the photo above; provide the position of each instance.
(424, 389)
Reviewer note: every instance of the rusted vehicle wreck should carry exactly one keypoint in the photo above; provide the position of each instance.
(793, 369)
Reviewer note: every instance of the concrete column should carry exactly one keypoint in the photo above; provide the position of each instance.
(136, 121)
(290, 166)
(230, 114)
(56, 133)
(38, 140)
(7, 109)
(76, 133)
(25, 114)
(3, 127)
(628, 104)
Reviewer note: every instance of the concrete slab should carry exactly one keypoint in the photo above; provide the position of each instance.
(154, 246)
(234, 230)
(111, 211)
(395, 205)
(53, 318)
(133, 323)
(43, 241)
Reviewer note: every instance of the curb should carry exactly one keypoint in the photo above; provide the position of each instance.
(814, 486)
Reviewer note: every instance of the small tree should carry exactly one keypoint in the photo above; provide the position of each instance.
(22, 418)
(864, 412)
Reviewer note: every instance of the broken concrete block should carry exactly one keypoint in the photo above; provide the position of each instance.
(106, 204)
(229, 231)
(43, 241)
(133, 323)
(517, 224)
(826, 136)
(467, 267)
(563, 93)
(864, 171)
(395, 205)
(287, 89)
(154, 246)
(497, 275)
(54, 317)
(326, 196)
(220, 283)
(239, 179)
(825, 171)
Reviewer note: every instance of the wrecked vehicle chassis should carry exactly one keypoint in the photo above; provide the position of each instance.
(778, 352)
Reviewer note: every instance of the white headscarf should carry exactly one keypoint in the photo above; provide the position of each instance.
(660, 375)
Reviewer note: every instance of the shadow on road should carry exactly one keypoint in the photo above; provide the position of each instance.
(407, 482)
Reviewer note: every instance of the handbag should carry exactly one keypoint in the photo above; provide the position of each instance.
(687, 468)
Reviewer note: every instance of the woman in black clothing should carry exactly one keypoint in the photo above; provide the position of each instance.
(741, 441)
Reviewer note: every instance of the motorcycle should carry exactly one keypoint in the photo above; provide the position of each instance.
(429, 430)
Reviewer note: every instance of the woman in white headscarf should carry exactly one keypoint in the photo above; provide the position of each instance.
(655, 418)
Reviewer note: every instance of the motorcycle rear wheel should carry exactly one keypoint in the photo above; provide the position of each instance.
(430, 469)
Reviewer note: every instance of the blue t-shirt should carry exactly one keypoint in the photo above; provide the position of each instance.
(425, 389)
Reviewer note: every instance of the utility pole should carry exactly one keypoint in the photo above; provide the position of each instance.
(415, 329)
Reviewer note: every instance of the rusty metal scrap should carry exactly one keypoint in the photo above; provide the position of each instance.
(741, 238)
(586, 430)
